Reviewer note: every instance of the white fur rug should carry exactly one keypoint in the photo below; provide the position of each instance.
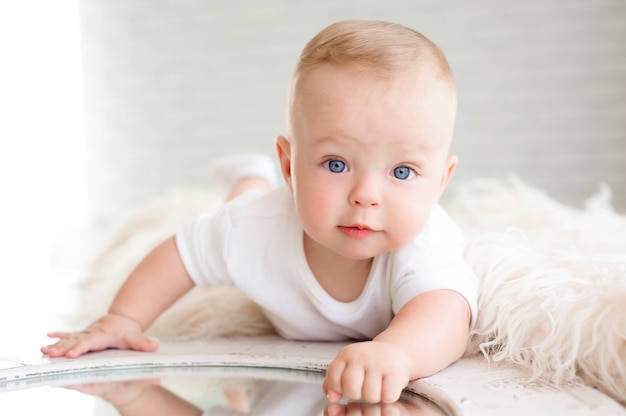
(552, 300)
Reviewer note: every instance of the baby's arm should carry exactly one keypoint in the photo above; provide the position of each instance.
(157, 282)
(428, 334)
(140, 397)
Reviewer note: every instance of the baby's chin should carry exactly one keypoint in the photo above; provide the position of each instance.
(358, 249)
(364, 253)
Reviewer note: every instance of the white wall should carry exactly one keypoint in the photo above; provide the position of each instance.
(172, 84)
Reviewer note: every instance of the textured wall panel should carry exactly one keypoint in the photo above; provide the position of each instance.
(169, 85)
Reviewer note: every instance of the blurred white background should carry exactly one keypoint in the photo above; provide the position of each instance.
(43, 208)
(42, 161)
(107, 104)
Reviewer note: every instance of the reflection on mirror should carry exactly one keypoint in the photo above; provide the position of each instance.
(229, 394)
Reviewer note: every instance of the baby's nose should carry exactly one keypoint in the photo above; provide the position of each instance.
(365, 194)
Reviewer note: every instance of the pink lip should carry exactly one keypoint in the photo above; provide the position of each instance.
(356, 232)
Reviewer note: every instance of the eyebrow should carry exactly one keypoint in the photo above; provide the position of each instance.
(418, 154)
(331, 139)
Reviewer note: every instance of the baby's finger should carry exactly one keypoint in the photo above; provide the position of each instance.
(391, 389)
(392, 409)
(353, 409)
(372, 388)
(140, 342)
(332, 383)
(60, 335)
(59, 348)
(84, 346)
(52, 351)
(335, 409)
(333, 396)
(363, 409)
(352, 381)
(84, 342)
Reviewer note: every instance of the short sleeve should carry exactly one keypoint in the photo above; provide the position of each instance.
(435, 261)
(437, 273)
(201, 243)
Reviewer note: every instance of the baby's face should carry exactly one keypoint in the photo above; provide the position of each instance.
(369, 157)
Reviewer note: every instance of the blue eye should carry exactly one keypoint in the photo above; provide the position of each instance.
(402, 172)
(335, 166)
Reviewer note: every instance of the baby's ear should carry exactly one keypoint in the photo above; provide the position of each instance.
(284, 157)
(448, 170)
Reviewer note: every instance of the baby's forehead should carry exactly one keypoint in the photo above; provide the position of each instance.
(331, 83)
(414, 99)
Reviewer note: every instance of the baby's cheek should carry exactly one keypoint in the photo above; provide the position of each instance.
(406, 228)
(314, 215)
(318, 202)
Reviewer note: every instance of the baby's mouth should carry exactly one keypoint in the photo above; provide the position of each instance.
(356, 231)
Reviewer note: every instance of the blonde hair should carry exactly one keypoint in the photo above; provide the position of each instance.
(379, 47)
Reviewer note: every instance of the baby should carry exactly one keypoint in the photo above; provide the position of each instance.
(354, 247)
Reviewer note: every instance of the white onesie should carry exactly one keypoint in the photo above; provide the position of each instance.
(255, 243)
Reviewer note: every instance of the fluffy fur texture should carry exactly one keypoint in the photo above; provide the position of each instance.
(553, 281)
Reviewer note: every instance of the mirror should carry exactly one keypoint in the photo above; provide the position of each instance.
(224, 391)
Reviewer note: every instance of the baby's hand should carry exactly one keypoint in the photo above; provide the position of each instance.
(372, 371)
(110, 331)
(116, 393)
(374, 409)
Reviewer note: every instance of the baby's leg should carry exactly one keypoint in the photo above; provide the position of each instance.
(247, 184)
(245, 172)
